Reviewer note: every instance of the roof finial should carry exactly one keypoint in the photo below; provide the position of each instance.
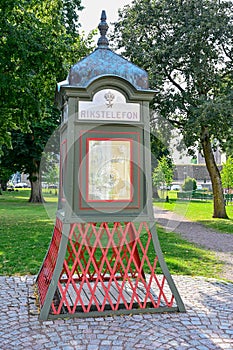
(103, 28)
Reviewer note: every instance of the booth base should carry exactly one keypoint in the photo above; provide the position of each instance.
(102, 298)
(93, 269)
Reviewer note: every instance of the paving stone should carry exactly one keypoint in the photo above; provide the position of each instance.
(93, 347)
(207, 324)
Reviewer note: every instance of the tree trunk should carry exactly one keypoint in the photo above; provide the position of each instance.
(35, 180)
(155, 192)
(36, 191)
(3, 185)
(219, 203)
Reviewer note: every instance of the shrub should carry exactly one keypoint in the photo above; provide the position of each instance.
(189, 184)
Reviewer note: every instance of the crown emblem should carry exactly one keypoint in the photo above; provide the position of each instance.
(109, 97)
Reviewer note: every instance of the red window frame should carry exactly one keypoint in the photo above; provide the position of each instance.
(133, 136)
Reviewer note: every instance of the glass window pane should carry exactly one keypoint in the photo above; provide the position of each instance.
(109, 170)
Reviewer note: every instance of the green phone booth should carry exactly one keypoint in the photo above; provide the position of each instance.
(104, 256)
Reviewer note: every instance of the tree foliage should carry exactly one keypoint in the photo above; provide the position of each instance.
(227, 173)
(160, 134)
(39, 42)
(163, 174)
(26, 152)
(189, 184)
(186, 47)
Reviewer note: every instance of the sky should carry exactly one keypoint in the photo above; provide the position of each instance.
(90, 16)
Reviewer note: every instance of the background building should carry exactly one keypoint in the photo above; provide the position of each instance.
(194, 167)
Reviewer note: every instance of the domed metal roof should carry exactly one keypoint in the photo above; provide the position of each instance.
(104, 62)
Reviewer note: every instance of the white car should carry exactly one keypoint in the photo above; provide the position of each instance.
(175, 188)
(21, 185)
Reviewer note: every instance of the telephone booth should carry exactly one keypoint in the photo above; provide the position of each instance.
(104, 256)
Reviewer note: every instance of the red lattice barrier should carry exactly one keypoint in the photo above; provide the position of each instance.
(109, 267)
(46, 273)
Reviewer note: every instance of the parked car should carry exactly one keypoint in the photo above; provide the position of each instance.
(164, 188)
(22, 185)
(53, 186)
(175, 188)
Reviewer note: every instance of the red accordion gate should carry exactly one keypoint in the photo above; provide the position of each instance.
(107, 267)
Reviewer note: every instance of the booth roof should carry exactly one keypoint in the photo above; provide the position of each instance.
(104, 62)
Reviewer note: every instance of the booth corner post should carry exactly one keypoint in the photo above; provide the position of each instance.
(104, 256)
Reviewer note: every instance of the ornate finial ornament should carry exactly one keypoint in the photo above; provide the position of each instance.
(103, 28)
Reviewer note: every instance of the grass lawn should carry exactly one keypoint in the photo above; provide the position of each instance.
(26, 230)
(200, 211)
(25, 233)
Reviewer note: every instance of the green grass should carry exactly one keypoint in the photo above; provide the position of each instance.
(200, 211)
(25, 233)
(185, 258)
(26, 230)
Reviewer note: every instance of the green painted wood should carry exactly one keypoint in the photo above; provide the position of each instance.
(117, 312)
(165, 270)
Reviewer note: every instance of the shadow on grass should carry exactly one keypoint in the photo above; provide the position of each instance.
(220, 225)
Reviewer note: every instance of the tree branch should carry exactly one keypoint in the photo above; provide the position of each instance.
(173, 81)
(226, 53)
(175, 122)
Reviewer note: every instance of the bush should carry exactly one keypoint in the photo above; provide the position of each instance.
(189, 184)
(194, 195)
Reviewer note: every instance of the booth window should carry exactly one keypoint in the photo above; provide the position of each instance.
(109, 169)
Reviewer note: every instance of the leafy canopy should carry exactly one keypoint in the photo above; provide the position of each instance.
(163, 174)
(186, 46)
(227, 173)
(39, 40)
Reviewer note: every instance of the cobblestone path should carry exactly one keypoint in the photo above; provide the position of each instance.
(207, 324)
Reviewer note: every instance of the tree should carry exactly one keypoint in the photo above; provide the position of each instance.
(227, 174)
(163, 174)
(26, 152)
(5, 174)
(186, 47)
(160, 133)
(189, 184)
(39, 42)
(51, 173)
